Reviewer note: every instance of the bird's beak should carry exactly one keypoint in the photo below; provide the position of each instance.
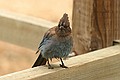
(61, 27)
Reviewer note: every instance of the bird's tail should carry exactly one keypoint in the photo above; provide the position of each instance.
(40, 61)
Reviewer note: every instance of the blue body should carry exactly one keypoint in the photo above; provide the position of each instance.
(55, 47)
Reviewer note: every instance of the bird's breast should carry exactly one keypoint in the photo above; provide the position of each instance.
(57, 47)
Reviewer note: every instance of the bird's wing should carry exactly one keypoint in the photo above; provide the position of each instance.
(47, 35)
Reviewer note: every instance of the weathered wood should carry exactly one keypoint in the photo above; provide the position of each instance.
(118, 18)
(22, 30)
(102, 64)
(95, 24)
(81, 25)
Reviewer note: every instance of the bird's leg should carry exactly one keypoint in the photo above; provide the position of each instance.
(62, 65)
(49, 66)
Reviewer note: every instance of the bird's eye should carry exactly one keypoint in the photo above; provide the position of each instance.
(64, 24)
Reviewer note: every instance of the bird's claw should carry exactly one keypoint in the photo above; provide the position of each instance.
(63, 66)
(50, 67)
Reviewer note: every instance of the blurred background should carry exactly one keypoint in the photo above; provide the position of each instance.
(95, 25)
(17, 57)
(47, 9)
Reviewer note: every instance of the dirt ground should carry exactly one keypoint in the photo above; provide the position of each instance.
(14, 58)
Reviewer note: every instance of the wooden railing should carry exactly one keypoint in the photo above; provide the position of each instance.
(22, 30)
(102, 64)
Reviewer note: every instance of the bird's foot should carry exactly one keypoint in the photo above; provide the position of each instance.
(63, 66)
(50, 67)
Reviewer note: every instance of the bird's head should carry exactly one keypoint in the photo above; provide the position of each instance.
(63, 28)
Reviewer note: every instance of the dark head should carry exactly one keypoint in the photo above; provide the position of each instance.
(63, 28)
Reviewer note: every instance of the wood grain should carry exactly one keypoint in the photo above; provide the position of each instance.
(102, 64)
(95, 24)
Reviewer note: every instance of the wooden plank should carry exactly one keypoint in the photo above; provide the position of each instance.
(30, 30)
(102, 64)
(81, 25)
(95, 24)
(118, 19)
(116, 15)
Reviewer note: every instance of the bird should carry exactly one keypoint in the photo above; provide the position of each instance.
(57, 43)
